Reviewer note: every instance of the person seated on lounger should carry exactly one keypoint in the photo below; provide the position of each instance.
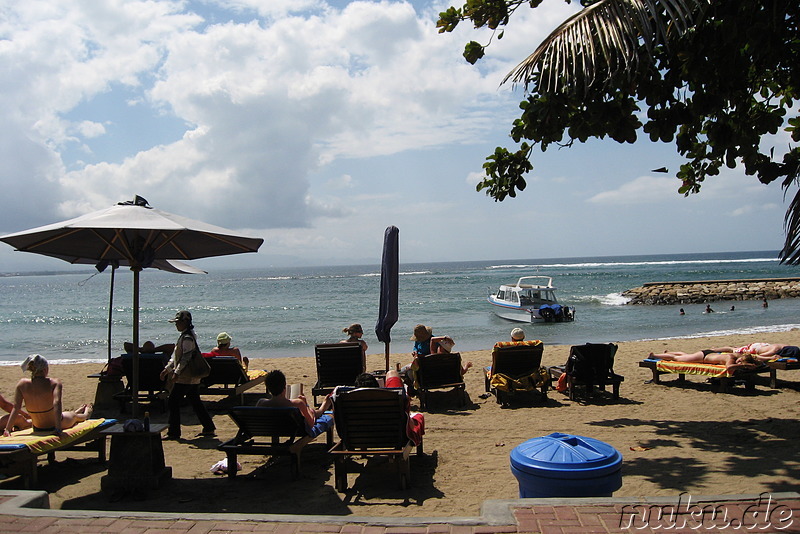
(21, 422)
(443, 345)
(224, 348)
(315, 418)
(354, 333)
(415, 428)
(731, 361)
(42, 397)
(148, 347)
(426, 344)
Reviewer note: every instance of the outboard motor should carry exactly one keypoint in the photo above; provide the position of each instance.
(547, 313)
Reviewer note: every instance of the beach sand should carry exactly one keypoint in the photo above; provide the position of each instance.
(674, 438)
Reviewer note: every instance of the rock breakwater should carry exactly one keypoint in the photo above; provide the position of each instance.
(703, 291)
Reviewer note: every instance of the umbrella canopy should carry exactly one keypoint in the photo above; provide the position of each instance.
(132, 234)
(390, 281)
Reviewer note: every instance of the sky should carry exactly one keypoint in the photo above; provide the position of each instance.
(315, 125)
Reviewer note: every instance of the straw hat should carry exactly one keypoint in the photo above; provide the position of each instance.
(422, 333)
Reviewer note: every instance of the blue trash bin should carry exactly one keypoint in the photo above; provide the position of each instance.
(562, 465)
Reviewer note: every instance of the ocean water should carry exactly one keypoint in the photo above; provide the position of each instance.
(285, 312)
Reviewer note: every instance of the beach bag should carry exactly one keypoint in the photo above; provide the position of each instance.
(198, 366)
(113, 370)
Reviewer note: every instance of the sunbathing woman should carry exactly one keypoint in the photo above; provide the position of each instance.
(764, 351)
(42, 396)
(731, 361)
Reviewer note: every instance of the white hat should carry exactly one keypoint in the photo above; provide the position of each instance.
(518, 334)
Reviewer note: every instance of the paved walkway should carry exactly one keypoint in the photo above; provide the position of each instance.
(26, 511)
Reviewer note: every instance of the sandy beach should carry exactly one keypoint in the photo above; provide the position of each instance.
(674, 438)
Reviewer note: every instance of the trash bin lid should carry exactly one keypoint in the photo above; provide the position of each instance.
(566, 456)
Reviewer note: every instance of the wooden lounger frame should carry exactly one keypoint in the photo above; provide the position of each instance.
(23, 462)
(725, 382)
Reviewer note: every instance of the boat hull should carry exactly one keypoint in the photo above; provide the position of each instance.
(530, 315)
(520, 316)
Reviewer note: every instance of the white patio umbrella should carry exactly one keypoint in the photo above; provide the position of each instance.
(132, 234)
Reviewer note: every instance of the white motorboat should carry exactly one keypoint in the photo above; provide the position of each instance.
(530, 302)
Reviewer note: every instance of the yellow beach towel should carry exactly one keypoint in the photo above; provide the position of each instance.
(704, 369)
(40, 443)
(252, 375)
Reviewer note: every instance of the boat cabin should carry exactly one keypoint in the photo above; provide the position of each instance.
(525, 294)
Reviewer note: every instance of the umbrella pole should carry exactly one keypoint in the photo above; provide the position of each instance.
(110, 308)
(386, 352)
(135, 380)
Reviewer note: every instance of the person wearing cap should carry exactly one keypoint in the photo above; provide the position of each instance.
(224, 348)
(42, 397)
(184, 385)
(443, 345)
(518, 334)
(354, 333)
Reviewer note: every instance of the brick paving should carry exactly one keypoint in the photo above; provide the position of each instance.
(765, 513)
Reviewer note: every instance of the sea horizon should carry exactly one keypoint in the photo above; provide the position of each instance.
(279, 312)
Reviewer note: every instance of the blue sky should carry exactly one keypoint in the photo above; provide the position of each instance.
(315, 124)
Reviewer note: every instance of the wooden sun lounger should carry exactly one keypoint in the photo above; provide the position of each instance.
(151, 388)
(440, 371)
(519, 364)
(338, 364)
(228, 377)
(268, 430)
(784, 364)
(726, 379)
(371, 422)
(19, 459)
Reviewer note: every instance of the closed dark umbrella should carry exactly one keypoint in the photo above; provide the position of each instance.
(390, 282)
(133, 234)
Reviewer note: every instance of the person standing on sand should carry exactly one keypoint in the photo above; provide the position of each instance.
(184, 385)
(42, 397)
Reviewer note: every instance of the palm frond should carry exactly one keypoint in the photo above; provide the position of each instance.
(790, 254)
(604, 39)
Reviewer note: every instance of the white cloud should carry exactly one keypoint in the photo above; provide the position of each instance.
(313, 123)
(90, 129)
(345, 181)
(644, 189)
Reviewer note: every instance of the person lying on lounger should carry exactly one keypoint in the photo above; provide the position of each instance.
(731, 361)
(764, 351)
(42, 397)
(148, 347)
